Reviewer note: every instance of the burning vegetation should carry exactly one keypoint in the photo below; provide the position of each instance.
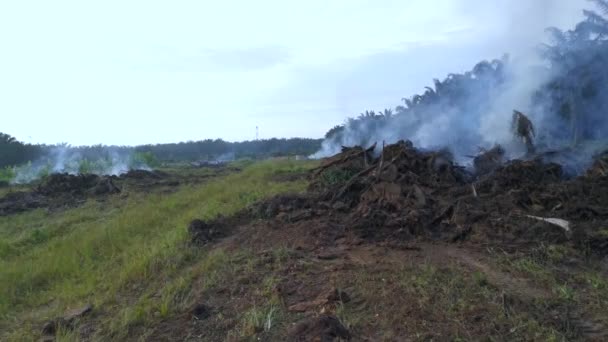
(562, 91)
(405, 193)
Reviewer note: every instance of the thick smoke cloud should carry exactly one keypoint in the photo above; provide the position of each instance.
(471, 111)
(463, 114)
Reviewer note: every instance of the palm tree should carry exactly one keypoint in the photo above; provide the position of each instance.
(368, 114)
(408, 103)
(438, 86)
(387, 113)
(417, 99)
(580, 55)
(482, 69)
(7, 139)
(595, 23)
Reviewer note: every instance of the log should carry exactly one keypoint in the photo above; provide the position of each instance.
(565, 225)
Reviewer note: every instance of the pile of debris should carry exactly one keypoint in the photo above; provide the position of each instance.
(406, 193)
(58, 190)
(488, 161)
(61, 190)
(599, 167)
(63, 183)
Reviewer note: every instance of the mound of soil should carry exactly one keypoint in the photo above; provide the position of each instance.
(63, 183)
(490, 160)
(405, 193)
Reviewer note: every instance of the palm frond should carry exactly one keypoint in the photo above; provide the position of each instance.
(596, 19)
(400, 109)
(586, 29)
(602, 5)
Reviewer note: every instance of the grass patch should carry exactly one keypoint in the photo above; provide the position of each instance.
(50, 262)
(433, 302)
(260, 319)
(577, 285)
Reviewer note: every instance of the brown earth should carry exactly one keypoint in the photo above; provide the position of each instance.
(408, 246)
(334, 286)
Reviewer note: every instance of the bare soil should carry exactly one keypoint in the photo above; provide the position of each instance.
(408, 246)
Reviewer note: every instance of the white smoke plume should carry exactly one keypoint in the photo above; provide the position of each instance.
(477, 112)
(65, 159)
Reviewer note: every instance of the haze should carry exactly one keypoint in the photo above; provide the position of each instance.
(136, 72)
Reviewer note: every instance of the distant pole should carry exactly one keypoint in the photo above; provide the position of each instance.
(257, 133)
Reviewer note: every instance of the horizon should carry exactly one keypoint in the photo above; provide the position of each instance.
(68, 145)
(181, 72)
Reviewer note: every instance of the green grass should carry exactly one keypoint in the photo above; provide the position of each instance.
(98, 252)
(259, 319)
(575, 284)
(267, 310)
(428, 300)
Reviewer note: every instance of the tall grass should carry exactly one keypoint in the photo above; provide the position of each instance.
(88, 254)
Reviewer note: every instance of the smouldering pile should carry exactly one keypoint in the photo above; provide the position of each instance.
(406, 193)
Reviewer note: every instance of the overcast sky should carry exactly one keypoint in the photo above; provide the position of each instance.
(134, 72)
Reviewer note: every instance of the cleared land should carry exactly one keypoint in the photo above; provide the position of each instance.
(126, 255)
(273, 259)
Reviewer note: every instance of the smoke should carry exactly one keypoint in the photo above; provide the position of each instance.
(471, 111)
(463, 113)
(523, 78)
(72, 160)
(226, 157)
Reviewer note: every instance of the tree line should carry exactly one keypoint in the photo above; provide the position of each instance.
(211, 149)
(14, 152)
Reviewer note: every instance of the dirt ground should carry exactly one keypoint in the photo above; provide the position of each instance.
(408, 246)
(329, 284)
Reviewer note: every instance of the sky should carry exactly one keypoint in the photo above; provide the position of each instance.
(137, 72)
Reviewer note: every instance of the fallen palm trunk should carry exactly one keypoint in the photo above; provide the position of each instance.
(565, 225)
